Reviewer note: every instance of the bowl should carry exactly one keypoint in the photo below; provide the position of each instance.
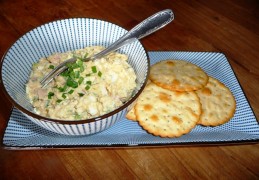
(61, 36)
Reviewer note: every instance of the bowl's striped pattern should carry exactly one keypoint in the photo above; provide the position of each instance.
(61, 36)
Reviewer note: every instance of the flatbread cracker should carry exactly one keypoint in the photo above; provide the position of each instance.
(218, 103)
(167, 113)
(178, 75)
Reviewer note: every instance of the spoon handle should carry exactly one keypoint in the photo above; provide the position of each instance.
(151, 24)
(146, 27)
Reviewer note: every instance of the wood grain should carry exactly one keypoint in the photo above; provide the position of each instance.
(230, 27)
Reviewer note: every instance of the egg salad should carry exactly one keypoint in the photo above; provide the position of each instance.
(86, 89)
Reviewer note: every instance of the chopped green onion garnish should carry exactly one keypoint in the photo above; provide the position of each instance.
(62, 89)
(88, 74)
(79, 63)
(82, 68)
(72, 83)
(64, 95)
(89, 82)
(81, 79)
(75, 65)
(51, 67)
(94, 69)
(65, 73)
(50, 94)
(100, 73)
(59, 100)
(81, 94)
(87, 87)
(77, 74)
(71, 91)
(69, 65)
(72, 74)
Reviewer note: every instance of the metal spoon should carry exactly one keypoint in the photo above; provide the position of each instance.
(146, 27)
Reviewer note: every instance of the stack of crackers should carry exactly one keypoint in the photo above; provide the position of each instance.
(179, 96)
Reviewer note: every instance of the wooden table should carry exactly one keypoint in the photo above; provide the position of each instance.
(231, 27)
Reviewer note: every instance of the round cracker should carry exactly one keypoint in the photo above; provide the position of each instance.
(218, 103)
(167, 113)
(131, 112)
(178, 75)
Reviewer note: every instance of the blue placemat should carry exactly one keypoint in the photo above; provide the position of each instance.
(243, 127)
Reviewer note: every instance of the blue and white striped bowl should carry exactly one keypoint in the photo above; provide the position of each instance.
(61, 36)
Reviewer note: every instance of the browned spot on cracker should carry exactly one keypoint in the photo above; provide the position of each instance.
(148, 107)
(206, 91)
(164, 97)
(176, 119)
(154, 117)
(179, 93)
(175, 82)
(170, 63)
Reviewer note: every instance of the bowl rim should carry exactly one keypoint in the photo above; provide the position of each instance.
(58, 121)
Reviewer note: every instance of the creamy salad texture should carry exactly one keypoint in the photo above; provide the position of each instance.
(86, 89)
